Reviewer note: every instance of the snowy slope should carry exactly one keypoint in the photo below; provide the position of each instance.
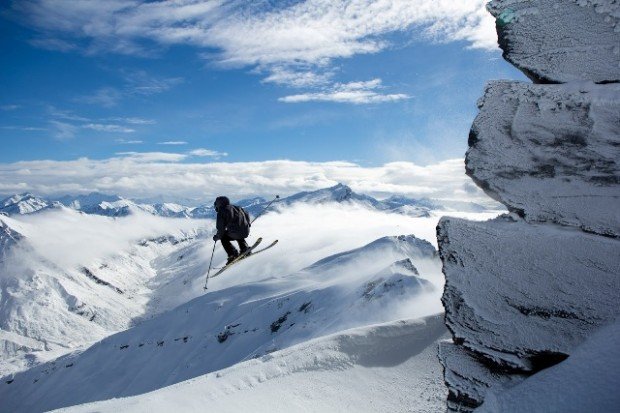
(67, 279)
(588, 380)
(368, 285)
(386, 368)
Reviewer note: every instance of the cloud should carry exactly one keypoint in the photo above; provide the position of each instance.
(128, 142)
(101, 127)
(294, 42)
(172, 143)
(24, 128)
(63, 130)
(353, 92)
(9, 107)
(146, 157)
(142, 83)
(134, 121)
(105, 96)
(135, 174)
(298, 79)
(53, 44)
(207, 153)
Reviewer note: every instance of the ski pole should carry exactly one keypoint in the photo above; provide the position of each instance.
(210, 262)
(265, 209)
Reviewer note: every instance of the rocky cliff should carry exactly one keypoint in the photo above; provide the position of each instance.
(525, 291)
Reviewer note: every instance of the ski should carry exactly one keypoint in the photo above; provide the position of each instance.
(242, 257)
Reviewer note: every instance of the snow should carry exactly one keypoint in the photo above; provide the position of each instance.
(549, 152)
(390, 367)
(22, 204)
(556, 42)
(524, 288)
(233, 324)
(67, 279)
(588, 380)
(519, 295)
(49, 296)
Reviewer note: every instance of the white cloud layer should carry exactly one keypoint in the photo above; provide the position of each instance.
(353, 92)
(207, 153)
(294, 43)
(172, 143)
(150, 174)
(102, 127)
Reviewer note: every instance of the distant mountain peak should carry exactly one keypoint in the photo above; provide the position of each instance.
(24, 203)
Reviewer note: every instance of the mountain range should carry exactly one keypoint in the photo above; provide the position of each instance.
(131, 313)
(115, 206)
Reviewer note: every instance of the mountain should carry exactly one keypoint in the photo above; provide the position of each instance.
(115, 206)
(82, 201)
(371, 284)
(9, 237)
(339, 193)
(62, 291)
(21, 204)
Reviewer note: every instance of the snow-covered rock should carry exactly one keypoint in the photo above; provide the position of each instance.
(524, 291)
(587, 381)
(519, 297)
(21, 204)
(560, 41)
(550, 152)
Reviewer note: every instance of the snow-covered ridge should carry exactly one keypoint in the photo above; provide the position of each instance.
(384, 280)
(25, 203)
(524, 291)
(375, 362)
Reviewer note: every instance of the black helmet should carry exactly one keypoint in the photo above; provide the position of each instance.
(221, 201)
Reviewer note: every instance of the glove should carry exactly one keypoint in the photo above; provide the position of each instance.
(216, 237)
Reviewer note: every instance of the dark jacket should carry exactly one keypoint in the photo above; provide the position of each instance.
(233, 221)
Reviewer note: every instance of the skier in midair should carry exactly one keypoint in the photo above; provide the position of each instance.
(233, 224)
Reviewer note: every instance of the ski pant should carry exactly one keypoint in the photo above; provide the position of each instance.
(228, 247)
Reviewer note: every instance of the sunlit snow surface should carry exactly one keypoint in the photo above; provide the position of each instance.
(49, 298)
(384, 368)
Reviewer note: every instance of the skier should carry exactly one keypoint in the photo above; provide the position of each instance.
(233, 224)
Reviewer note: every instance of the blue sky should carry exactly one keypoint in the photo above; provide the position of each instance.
(190, 82)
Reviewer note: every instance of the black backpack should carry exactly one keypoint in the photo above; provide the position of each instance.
(240, 221)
